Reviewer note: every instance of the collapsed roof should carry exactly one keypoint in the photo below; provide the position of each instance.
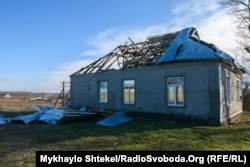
(184, 45)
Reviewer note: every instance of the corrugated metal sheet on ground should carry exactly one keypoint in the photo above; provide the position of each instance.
(3, 120)
(28, 118)
(50, 115)
(115, 119)
(41, 110)
(78, 115)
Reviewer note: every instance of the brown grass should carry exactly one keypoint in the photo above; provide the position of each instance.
(20, 105)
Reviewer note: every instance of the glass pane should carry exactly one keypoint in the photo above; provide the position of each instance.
(105, 97)
(101, 98)
(103, 85)
(132, 96)
(129, 91)
(128, 83)
(103, 92)
(175, 80)
(171, 95)
(126, 95)
(171, 81)
(180, 80)
(180, 94)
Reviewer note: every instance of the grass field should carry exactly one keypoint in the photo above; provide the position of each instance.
(19, 142)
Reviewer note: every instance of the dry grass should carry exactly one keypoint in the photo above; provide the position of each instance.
(18, 142)
(20, 105)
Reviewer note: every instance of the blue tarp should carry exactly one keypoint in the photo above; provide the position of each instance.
(115, 119)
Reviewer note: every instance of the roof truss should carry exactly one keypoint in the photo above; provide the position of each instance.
(132, 55)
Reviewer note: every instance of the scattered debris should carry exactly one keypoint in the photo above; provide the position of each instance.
(83, 109)
(3, 120)
(78, 115)
(132, 54)
(50, 115)
(115, 119)
(28, 118)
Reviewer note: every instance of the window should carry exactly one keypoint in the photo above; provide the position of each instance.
(128, 91)
(175, 91)
(103, 92)
(239, 93)
(228, 90)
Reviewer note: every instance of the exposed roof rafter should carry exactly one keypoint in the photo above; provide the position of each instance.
(184, 45)
(132, 55)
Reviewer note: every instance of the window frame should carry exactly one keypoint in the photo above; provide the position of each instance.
(131, 97)
(175, 86)
(103, 97)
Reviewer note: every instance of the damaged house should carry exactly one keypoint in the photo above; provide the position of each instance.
(174, 74)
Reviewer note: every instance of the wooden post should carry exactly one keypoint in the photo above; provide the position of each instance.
(63, 95)
(63, 92)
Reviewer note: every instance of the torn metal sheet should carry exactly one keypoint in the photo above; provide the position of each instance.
(46, 114)
(28, 118)
(115, 119)
(3, 120)
(83, 109)
(51, 116)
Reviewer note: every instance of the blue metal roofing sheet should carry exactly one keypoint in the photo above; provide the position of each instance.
(186, 48)
(115, 119)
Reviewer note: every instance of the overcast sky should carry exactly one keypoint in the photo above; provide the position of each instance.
(42, 42)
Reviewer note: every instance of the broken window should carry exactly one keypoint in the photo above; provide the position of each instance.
(175, 88)
(103, 92)
(128, 91)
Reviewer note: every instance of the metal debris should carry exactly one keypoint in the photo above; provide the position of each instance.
(115, 119)
(73, 116)
(50, 115)
(3, 120)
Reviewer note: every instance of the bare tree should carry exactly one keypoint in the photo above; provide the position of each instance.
(240, 12)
